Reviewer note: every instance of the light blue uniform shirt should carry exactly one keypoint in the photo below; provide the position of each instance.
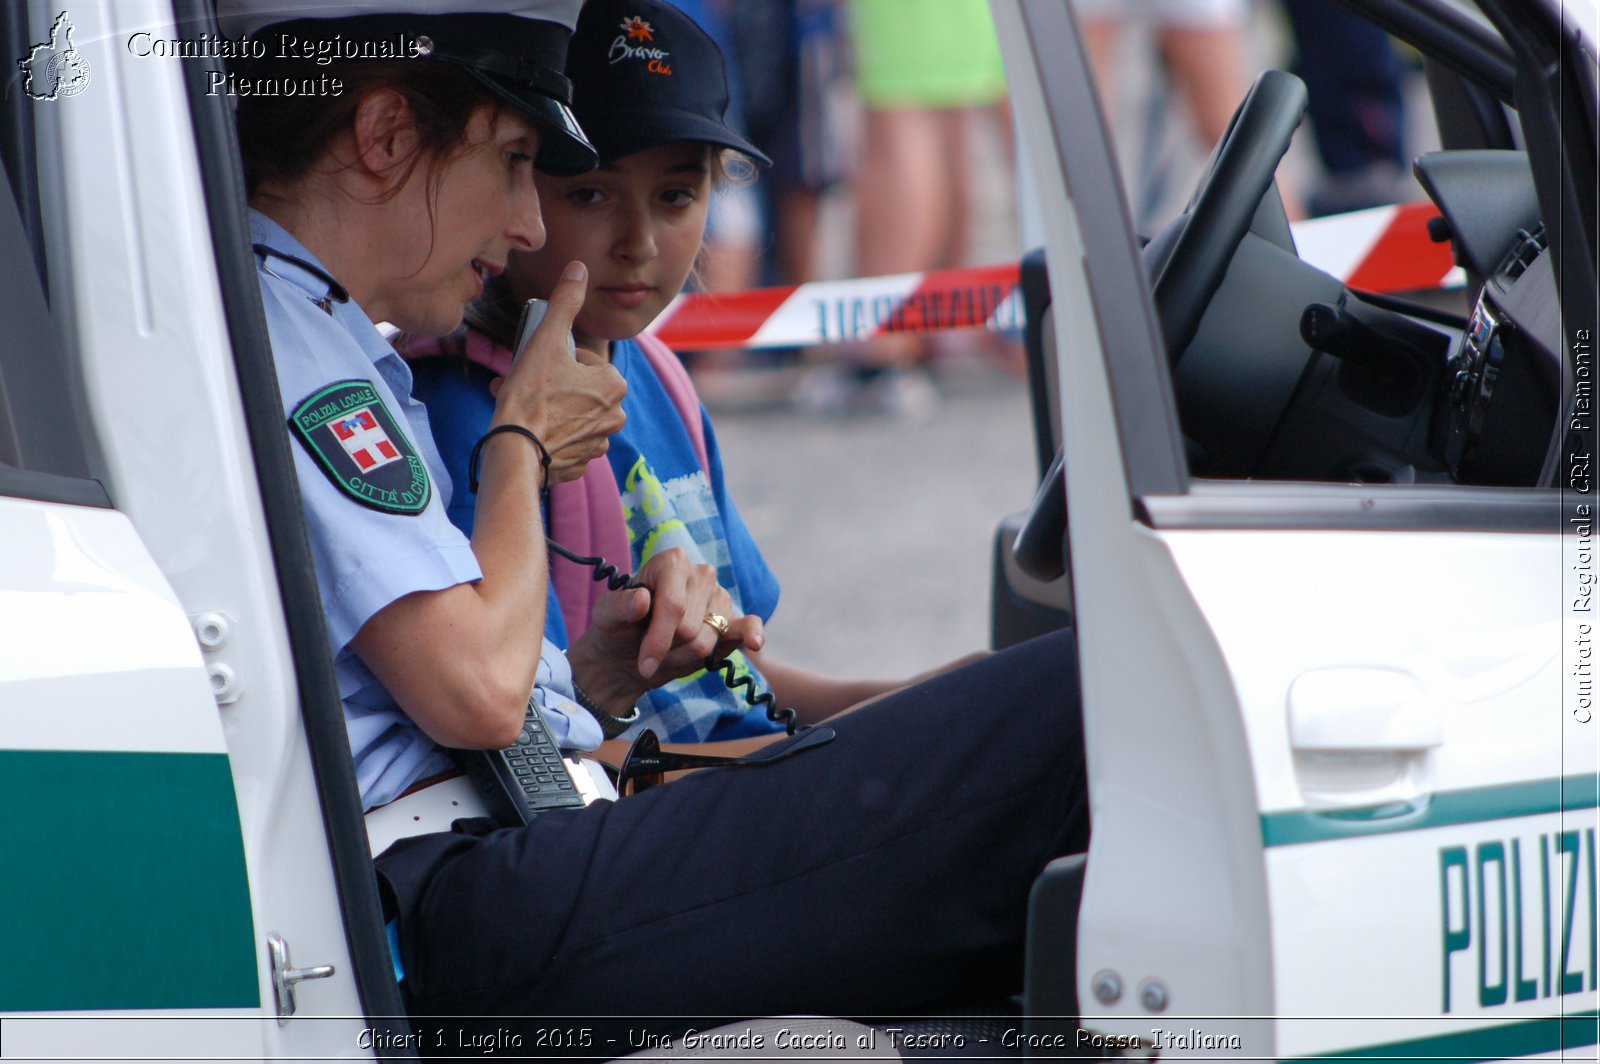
(367, 558)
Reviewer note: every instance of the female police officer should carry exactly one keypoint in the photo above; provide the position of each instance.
(876, 874)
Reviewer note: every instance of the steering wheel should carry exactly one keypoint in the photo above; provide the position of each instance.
(1219, 215)
(1224, 203)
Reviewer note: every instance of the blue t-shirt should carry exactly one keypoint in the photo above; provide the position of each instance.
(668, 501)
(367, 555)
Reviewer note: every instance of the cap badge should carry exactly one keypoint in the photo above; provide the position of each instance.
(637, 29)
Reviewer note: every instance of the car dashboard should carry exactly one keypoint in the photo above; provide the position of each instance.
(1294, 376)
(1502, 384)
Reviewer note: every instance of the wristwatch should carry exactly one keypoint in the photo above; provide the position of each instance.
(610, 726)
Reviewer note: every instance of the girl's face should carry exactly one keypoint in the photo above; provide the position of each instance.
(636, 223)
(452, 237)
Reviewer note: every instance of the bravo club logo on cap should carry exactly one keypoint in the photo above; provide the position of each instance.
(357, 443)
(637, 29)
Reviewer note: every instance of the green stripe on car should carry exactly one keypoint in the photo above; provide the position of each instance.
(1477, 805)
(122, 883)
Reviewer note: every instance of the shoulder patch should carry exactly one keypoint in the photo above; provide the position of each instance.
(359, 444)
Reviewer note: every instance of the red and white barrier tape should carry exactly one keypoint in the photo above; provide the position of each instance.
(1384, 249)
(823, 312)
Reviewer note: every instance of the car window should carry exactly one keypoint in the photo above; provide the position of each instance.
(42, 452)
(1310, 394)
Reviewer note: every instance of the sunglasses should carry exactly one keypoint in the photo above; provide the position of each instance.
(647, 764)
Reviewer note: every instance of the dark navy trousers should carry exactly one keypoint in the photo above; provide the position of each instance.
(881, 874)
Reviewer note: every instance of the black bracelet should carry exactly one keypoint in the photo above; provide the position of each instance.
(477, 456)
(610, 726)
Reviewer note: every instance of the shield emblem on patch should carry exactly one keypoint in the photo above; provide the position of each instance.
(356, 441)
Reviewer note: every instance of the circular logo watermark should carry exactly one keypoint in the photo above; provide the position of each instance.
(67, 73)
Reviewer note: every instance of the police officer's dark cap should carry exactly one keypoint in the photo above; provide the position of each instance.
(515, 48)
(645, 74)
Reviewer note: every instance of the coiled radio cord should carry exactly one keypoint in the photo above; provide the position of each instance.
(616, 580)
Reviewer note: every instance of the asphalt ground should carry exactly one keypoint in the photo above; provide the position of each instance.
(879, 529)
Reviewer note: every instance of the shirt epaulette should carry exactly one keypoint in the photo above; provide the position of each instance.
(332, 291)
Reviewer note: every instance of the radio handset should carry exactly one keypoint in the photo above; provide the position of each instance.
(533, 312)
(530, 776)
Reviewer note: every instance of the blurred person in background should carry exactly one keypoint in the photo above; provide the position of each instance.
(1199, 51)
(789, 71)
(793, 63)
(1200, 44)
(730, 258)
(1354, 78)
(1202, 48)
(925, 69)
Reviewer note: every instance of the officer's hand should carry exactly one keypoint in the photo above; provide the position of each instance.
(640, 638)
(572, 406)
(677, 635)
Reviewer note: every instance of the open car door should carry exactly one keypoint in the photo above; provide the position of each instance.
(1342, 763)
(182, 877)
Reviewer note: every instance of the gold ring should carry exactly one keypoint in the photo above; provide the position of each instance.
(719, 622)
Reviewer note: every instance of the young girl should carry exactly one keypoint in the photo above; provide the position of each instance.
(649, 88)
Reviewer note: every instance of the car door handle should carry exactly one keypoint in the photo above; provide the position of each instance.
(285, 976)
(1362, 710)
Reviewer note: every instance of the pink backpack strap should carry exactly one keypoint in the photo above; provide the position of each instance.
(586, 517)
(493, 357)
(412, 348)
(586, 514)
(669, 370)
(471, 344)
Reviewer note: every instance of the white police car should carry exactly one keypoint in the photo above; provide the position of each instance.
(1332, 560)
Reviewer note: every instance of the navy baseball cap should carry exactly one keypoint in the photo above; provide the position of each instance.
(645, 74)
(515, 49)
